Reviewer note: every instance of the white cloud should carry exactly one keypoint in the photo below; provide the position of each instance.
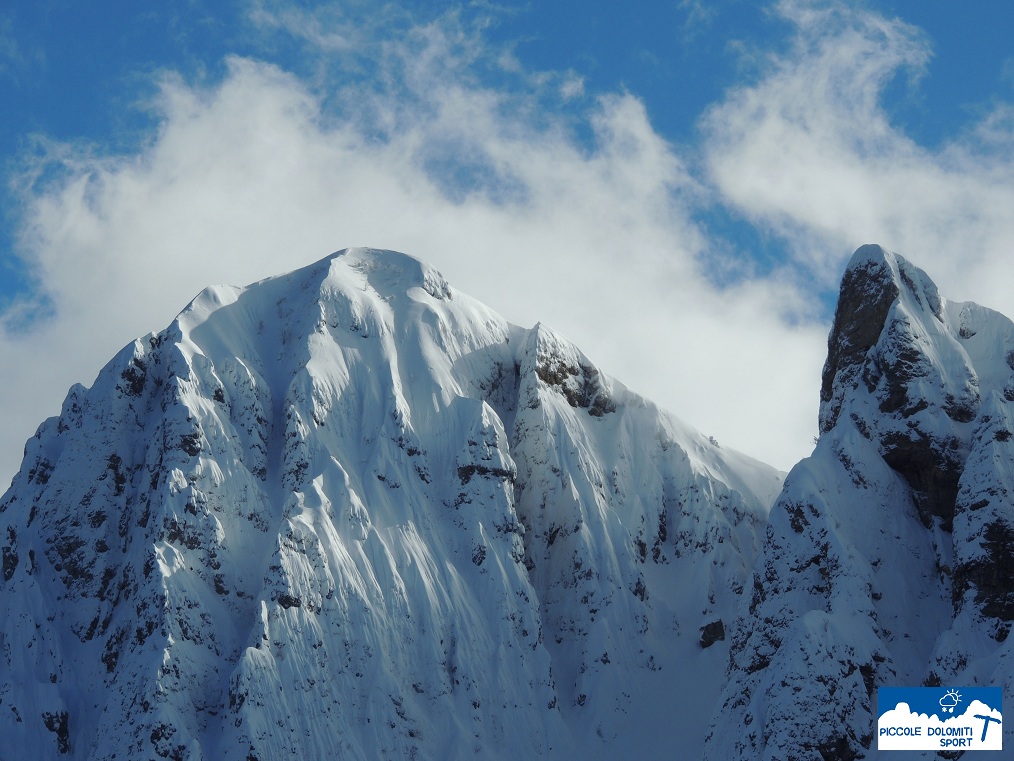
(252, 177)
(572, 86)
(325, 28)
(810, 153)
(699, 14)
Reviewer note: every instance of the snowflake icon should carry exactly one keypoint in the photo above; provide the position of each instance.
(950, 701)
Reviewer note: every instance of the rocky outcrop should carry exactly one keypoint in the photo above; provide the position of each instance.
(887, 558)
(868, 291)
(896, 363)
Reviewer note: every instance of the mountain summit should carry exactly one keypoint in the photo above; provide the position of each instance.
(352, 513)
(888, 559)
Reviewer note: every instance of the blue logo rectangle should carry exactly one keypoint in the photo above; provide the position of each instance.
(940, 718)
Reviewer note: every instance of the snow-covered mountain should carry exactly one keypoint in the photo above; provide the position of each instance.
(352, 513)
(888, 559)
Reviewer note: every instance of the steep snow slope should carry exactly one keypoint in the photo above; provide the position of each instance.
(351, 513)
(889, 556)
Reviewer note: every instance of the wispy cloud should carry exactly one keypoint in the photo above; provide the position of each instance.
(15, 59)
(809, 153)
(326, 28)
(8, 45)
(698, 14)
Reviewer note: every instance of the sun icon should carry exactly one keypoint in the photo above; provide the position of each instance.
(950, 700)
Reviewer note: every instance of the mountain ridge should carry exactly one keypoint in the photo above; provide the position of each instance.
(350, 510)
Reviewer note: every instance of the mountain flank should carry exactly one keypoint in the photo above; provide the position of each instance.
(350, 512)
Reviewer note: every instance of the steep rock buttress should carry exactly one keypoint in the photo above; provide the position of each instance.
(887, 557)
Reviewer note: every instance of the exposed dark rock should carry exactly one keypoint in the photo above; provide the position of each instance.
(465, 473)
(57, 724)
(41, 472)
(288, 601)
(867, 293)
(931, 467)
(580, 385)
(640, 590)
(10, 554)
(134, 376)
(10, 563)
(113, 464)
(992, 576)
(479, 555)
(712, 633)
(838, 748)
(191, 444)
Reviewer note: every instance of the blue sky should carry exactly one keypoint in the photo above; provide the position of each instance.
(676, 186)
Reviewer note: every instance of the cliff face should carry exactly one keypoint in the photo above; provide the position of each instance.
(887, 558)
(350, 512)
